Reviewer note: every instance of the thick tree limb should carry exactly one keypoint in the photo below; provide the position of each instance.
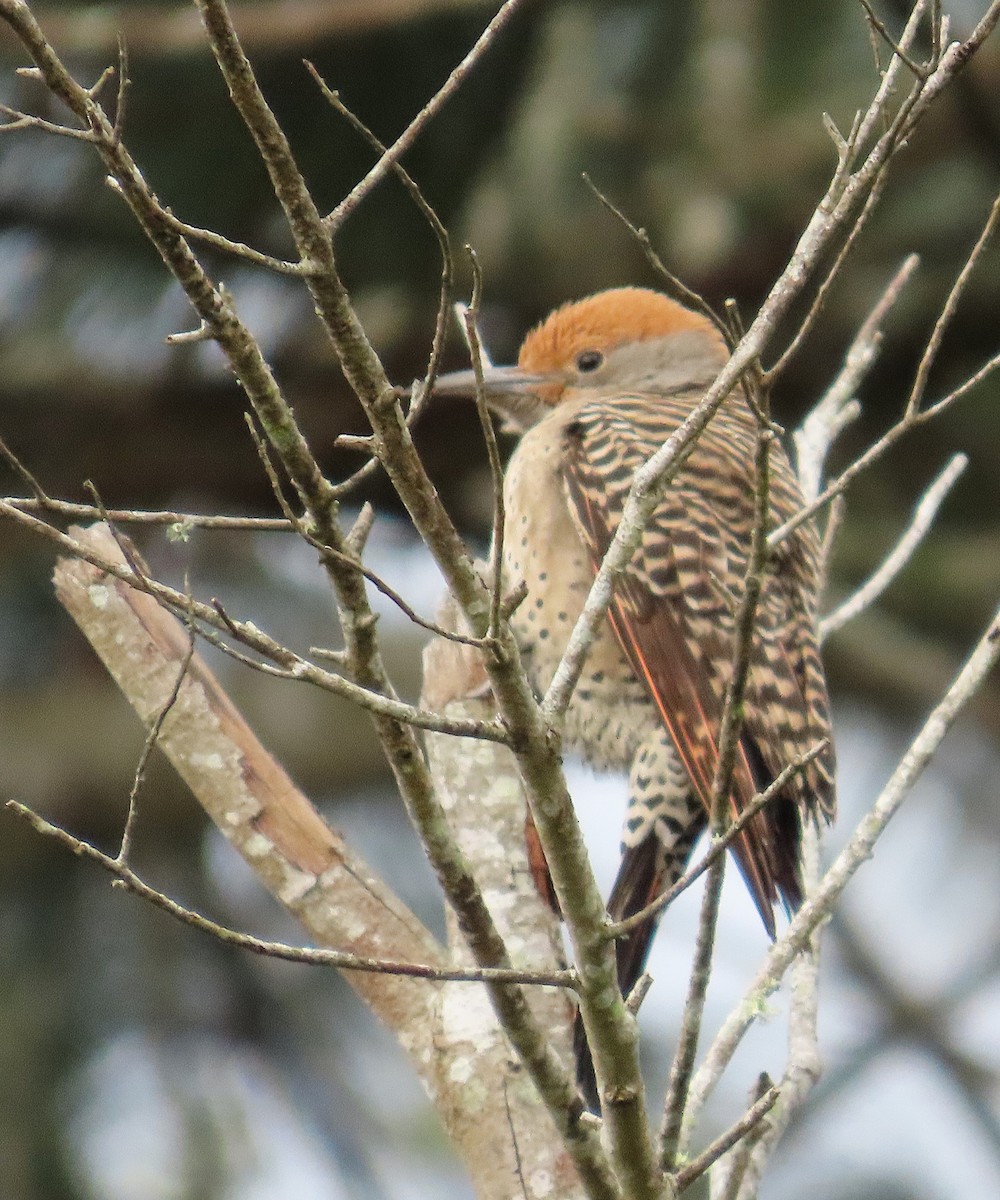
(483, 798)
(308, 869)
(298, 858)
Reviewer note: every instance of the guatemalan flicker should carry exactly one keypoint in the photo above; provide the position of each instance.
(599, 386)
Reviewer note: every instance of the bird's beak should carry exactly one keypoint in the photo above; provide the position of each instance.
(497, 381)
(520, 397)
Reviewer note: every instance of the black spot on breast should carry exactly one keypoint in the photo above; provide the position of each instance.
(574, 433)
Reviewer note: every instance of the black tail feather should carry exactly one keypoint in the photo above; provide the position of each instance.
(636, 886)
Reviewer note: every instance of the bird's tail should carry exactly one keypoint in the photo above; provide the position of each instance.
(641, 878)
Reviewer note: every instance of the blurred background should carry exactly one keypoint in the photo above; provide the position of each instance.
(140, 1060)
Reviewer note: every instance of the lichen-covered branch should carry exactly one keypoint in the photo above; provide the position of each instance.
(248, 796)
(483, 798)
(305, 865)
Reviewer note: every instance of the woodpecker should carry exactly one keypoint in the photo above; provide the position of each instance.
(598, 387)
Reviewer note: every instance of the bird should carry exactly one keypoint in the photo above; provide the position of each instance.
(598, 387)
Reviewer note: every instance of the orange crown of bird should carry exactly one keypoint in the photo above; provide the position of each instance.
(606, 321)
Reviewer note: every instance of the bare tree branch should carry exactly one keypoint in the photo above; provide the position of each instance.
(897, 50)
(627, 1163)
(483, 798)
(301, 861)
(697, 1167)
(409, 135)
(307, 955)
(836, 408)
(470, 317)
(152, 737)
(901, 553)
(804, 1065)
(923, 747)
(720, 843)
(289, 665)
(729, 733)
(948, 312)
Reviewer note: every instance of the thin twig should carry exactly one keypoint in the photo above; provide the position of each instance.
(392, 595)
(471, 318)
(286, 662)
(128, 549)
(974, 380)
(239, 249)
(277, 491)
(152, 737)
(42, 498)
(948, 311)
(804, 1065)
(674, 286)
(836, 408)
(423, 206)
(857, 851)
(124, 83)
(878, 25)
(461, 311)
(518, 1166)
(104, 78)
(901, 553)
(847, 148)
(834, 521)
(342, 960)
(409, 135)
(738, 1159)
(686, 1175)
(422, 393)
(730, 727)
(682, 1064)
(822, 292)
(339, 657)
(720, 843)
(877, 450)
(639, 992)
(21, 120)
(357, 536)
(190, 337)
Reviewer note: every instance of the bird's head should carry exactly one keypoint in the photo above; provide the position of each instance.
(621, 341)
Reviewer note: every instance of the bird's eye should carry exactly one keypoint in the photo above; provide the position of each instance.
(589, 360)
